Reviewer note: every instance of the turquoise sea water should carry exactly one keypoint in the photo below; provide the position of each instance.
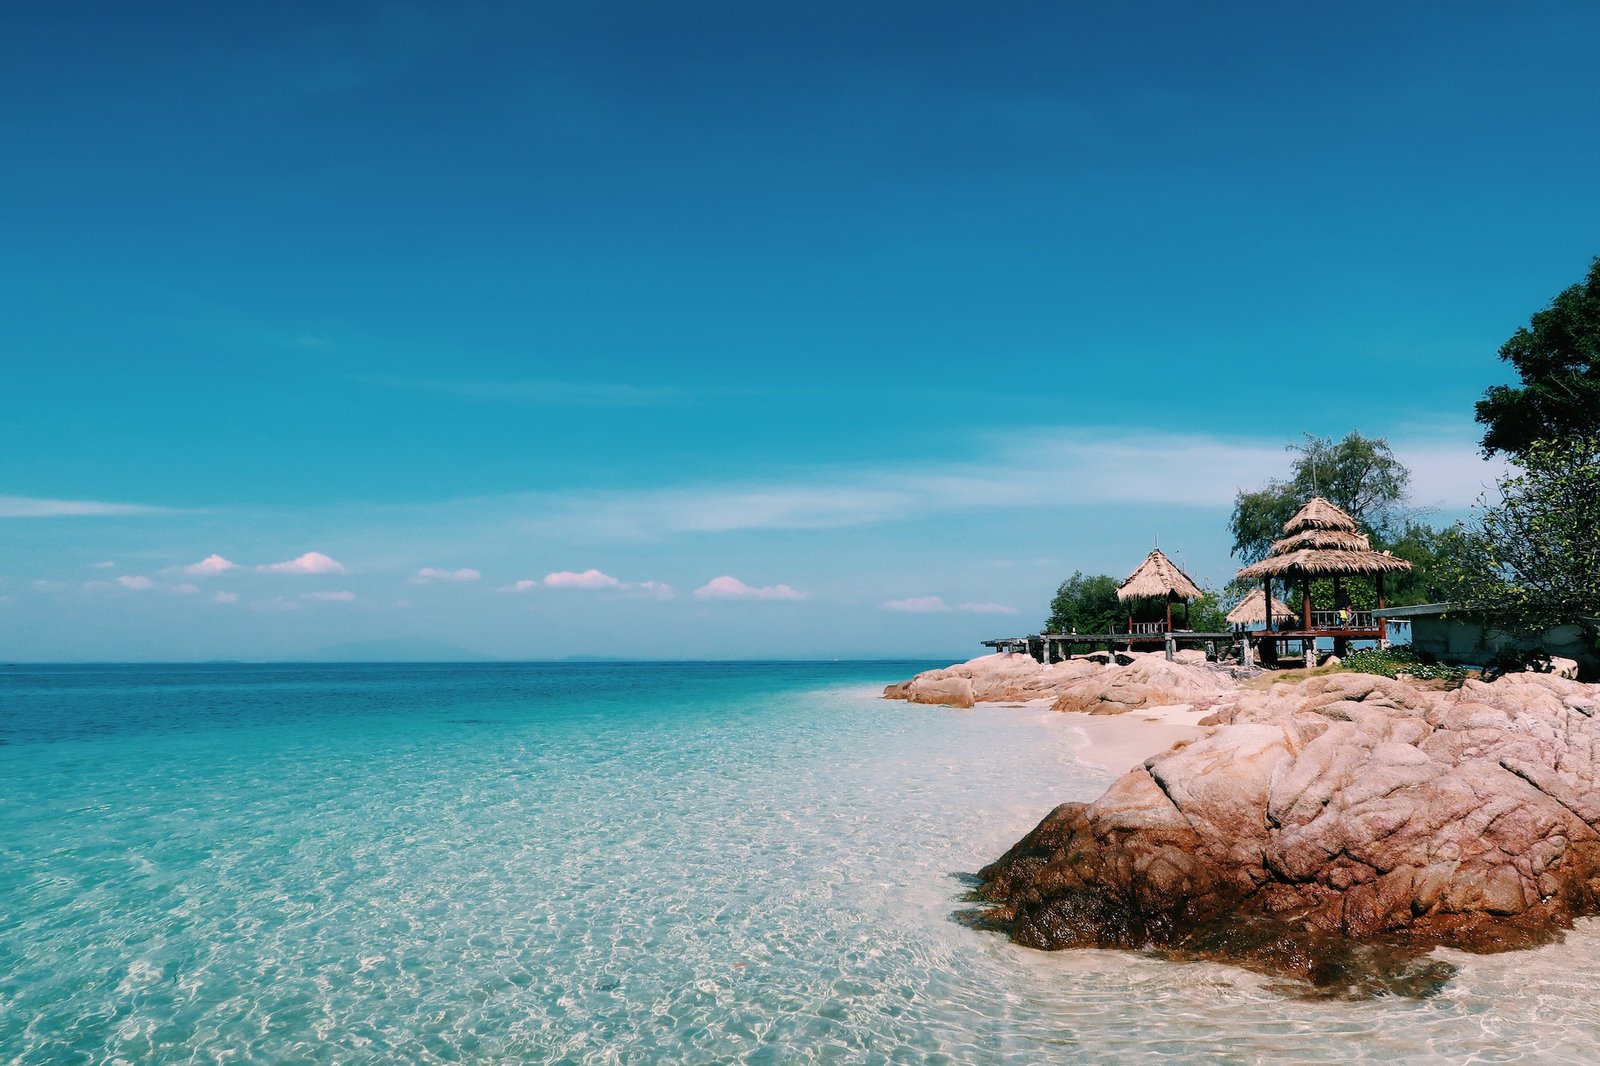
(600, 863)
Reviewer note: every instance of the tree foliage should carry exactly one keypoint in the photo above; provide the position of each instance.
(1557, 359)
(1359, 474)
(1430, 552)
(1206, 615)
(1533, 559)
(1086, 604)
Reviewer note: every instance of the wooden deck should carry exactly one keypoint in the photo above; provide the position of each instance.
(1055, 647)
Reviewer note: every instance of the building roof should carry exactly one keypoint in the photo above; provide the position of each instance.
(1253, 609)
(1323, 541)
(1419, 610)
(1158, 578)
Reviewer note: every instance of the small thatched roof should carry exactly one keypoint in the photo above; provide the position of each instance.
(1323, 541)
(1320, 514)
(1253, 609)
(1156, 579)
(1335, 539)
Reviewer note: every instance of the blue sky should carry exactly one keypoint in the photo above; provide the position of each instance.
(853, 304)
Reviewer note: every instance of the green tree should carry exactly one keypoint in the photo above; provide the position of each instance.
(1359, 474)
(1429, 551)
(1557, 359)
(1532, 560)
(1206, 615)
(1086, 604)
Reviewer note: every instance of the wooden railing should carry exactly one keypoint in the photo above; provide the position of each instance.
(1147, 627)
(1343, 620)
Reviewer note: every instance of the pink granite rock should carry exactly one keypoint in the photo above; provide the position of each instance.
(1142, 680)
(1324, 821)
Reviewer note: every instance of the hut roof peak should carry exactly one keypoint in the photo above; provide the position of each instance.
(1319, 513)
(1157, 578)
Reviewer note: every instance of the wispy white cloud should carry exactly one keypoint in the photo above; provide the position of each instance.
(330, 597)
(141, 583)
(1038, 469)
(309, 563)
(731, 588)
(525, 585)
(34, 507)
(107, 565)
(430, 574)
(277, 603)
(917, 605)
(587, 579)
(551, 393)
(986, 608)
(225, 597)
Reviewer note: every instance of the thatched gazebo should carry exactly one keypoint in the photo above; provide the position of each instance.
(1322, 541)
(1159, 578)
(1253, 609)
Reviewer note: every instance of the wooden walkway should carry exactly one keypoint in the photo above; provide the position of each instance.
(1056, 647)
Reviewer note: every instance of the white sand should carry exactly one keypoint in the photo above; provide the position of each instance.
(1120, 742)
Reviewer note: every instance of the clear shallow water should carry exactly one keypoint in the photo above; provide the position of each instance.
(576, 863)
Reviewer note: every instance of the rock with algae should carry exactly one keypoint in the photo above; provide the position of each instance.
(1334, 831)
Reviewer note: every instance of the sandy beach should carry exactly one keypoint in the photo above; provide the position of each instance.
(1120, 742)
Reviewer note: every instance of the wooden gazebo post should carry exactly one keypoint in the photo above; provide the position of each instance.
(1272, 655)
(1383, 623)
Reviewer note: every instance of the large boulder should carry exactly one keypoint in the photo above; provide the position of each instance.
(1149, 680)
(1082, 684)
(951, 690)
(1001, 678)
(1334, 830)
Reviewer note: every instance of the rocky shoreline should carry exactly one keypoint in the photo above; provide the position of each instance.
(1333, 830)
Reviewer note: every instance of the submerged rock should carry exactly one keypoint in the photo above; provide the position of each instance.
(1335, 831)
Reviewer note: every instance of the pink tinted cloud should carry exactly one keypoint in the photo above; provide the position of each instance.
(309, 563)
(430, 573)
(209, 566)
(588, 579)
(525, 585)
(727, 587)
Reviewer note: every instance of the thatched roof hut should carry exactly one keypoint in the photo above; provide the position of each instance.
(1323, 541)
(1253, 609)
(1158, 578)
